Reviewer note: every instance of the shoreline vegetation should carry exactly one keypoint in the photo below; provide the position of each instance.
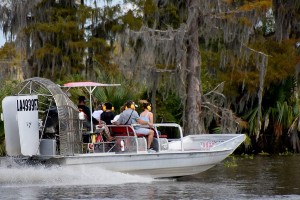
(226, 67)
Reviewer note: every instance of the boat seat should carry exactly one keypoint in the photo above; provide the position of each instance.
(161, 136)
(127, 130)
(123, 130)
(125, 134)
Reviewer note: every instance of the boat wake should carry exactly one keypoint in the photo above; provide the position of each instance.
(13, 174)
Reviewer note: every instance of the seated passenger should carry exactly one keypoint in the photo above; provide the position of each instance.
(147, 115)
(105, 132)
(107, 114)
(97, 113)
(105, 119)
(81, 105)
(130, 116)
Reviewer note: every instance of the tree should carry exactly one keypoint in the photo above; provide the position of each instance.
(287, 18)
(61, 37)
(193, 123)
(173, 47)
(222, 58)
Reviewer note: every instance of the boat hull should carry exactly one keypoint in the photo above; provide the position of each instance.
(156, 165)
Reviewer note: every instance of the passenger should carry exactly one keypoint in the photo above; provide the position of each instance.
(81, 105)
(116, 118)
(107, 114)
(105, 132)
(130, 116)
(123, 108)
(105, 118)
(97, 113)
(147, 115)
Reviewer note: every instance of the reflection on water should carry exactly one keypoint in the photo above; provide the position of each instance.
(257, 178)
(261, 175)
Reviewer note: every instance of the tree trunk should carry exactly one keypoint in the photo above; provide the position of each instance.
(153, 94)
(283, 13)
(192, 120)
(295, 141)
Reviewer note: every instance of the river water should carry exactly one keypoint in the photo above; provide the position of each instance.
(259, 177)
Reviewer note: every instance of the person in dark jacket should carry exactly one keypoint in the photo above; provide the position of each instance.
(81, 106)
(107, 114)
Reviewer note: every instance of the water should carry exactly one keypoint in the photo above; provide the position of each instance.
(276, 177)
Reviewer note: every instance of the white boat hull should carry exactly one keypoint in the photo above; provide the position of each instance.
(156, 165)
(199, 153)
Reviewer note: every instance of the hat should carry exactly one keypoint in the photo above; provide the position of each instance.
(81, 98)
(108, 105)
(141, 101)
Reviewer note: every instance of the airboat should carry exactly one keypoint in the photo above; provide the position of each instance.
(31, 134)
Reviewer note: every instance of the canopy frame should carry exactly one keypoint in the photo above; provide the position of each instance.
(90, 87)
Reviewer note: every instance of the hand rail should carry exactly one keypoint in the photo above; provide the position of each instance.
(154, 125)
(127, 130)
(173, 125)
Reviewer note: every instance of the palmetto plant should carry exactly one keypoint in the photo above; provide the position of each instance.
(117, 95)
(280, 113)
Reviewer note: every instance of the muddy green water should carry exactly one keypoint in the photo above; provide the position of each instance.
(261, 177)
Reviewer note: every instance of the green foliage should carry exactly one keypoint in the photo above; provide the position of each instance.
(8, 51)
(247, 156)
(118, 96)
(63, 39)
(210, 60)
(65, 48)
(279, 112)
(262, 153)
(169, 109)
(286, 153)
(279, 106)
(230, 162)
(247, 143)
(283, 61)
(171, 14)
(9, 59)
(251, 117)
(6, 89)
(68, 42)
(134, 23)
(149, 13)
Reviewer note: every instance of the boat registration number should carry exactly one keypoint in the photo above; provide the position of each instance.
(207, 144)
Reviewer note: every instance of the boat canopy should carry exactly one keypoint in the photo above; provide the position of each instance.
(88, 84)
(90, 87)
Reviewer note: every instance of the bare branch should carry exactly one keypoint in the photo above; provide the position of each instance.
(259, 52)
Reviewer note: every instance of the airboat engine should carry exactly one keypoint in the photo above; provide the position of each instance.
(40, 119)
(21, 125)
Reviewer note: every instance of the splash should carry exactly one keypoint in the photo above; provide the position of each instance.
(13, 174)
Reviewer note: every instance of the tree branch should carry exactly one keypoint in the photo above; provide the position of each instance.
(259, 52)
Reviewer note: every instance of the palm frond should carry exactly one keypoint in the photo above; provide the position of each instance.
(252, 122)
